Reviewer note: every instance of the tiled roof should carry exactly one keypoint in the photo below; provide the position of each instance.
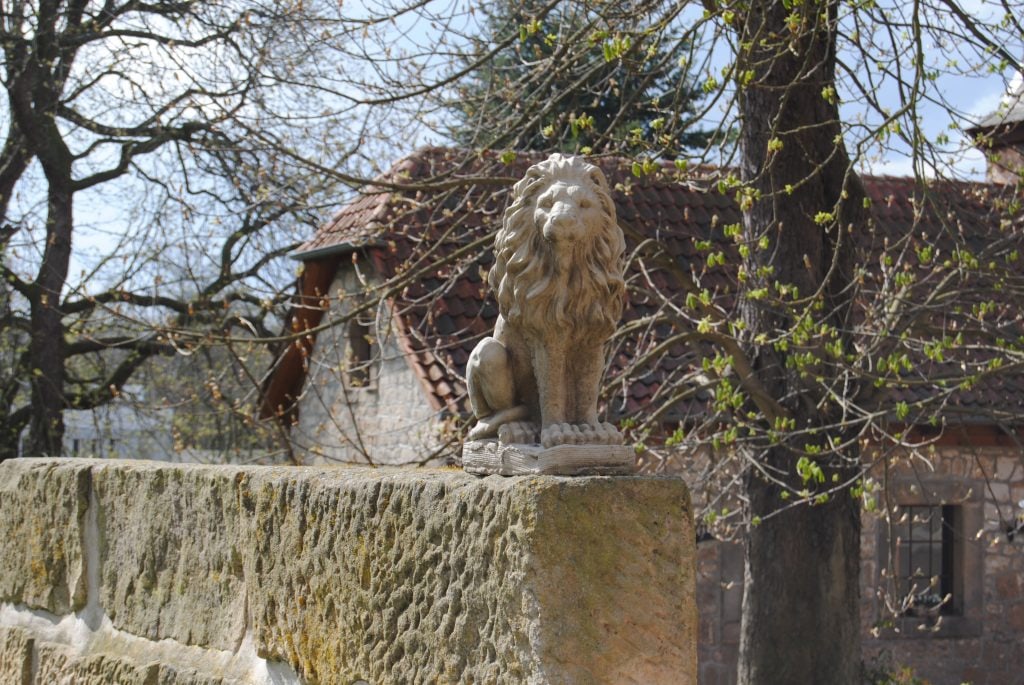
(442, 237)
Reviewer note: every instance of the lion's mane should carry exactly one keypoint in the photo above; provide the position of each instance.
(525, 272)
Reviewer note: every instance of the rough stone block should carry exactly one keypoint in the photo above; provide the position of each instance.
(346, 574)
(614, 581)
(43, 504)
(15, 657)
(54, 662)
(60, 664)
(424, 576)
(171, 675)
(171, 551)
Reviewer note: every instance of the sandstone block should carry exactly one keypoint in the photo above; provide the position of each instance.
(171, 675)
(614, 581)
(59, 664)
(347, 574)
(43, 503)
(437, 576)
(54, 661)
(15, 657)
(171, 551)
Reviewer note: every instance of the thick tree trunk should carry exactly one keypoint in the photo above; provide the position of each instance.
(37, 72)
(800, 606)
(800, 619)
(46, 430)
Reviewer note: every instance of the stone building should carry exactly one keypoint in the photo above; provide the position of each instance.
(1001, 136)
(386, 384)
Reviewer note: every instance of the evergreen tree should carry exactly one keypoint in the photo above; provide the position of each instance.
(576, 78)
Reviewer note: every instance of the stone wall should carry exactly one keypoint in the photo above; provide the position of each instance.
(719, 596)
(141, 572)
(1006, 164)
(387, 420)
(983, 645)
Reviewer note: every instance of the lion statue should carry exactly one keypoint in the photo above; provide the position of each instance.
(558, 277)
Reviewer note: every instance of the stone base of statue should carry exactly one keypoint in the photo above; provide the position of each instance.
(487, 457)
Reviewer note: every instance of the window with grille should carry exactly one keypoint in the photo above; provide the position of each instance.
(931, 559)
(927, 564)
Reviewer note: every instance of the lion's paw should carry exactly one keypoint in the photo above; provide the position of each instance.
(608, 434)
(560, 434)
(601, 434)
(580, 434)
(518, 433)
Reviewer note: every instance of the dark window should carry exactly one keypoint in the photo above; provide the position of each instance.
(927, 568)
(360, 354)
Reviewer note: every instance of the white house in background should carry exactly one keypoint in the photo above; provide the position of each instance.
(135, 427)
(120, 429)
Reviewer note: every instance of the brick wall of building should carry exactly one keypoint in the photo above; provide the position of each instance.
(983, 646)
(719, 595)
(1006, 164)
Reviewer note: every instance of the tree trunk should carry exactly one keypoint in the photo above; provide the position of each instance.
(800, 621)
(14, 159)
(9, 434)
(46, 429)
(800, 605)
(37, 71)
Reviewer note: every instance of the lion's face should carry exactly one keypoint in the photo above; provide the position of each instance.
(558, 255)
(564, 212)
